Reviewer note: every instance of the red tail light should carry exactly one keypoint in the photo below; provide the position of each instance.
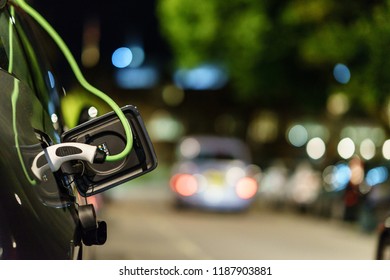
(246, 188)
(184, 184)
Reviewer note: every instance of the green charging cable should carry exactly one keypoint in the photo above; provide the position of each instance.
(79, 76)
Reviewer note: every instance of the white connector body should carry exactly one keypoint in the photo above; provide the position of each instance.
(57, 154)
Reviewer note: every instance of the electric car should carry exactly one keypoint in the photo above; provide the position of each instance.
(214, 173)
(43, 214)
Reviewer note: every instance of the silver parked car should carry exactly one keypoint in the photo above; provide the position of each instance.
(214, 173)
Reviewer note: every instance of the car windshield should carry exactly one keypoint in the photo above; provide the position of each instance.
(213, 148)
(217, 156)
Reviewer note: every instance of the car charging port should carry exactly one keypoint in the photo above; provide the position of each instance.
(106, 133)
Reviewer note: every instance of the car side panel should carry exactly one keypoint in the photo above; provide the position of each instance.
(37, 219)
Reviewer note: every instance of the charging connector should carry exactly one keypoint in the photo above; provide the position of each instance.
(58, 154)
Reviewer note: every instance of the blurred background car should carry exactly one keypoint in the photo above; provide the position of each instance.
(214, 173)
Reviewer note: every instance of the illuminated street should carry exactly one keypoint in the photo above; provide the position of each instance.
(146, 226)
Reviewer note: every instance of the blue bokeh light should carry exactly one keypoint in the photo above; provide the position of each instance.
(342, 175)
(377, 176)
(203, 77)
(341, 73)
(122, 57)
(137, 78)
(138, 56)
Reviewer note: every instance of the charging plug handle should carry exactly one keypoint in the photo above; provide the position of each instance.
(58, 154)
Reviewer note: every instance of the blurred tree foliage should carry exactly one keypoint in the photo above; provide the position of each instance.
(282, 53)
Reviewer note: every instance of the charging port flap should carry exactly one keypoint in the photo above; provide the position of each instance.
(106, 132)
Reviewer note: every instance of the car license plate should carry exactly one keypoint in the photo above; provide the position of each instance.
(215, 178)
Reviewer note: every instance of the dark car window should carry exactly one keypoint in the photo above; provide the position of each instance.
(215, 156)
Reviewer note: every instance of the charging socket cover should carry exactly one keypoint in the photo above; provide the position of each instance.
(107, 133)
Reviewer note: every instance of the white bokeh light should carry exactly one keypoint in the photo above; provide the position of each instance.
(346, 148)
(316, 148)
(367, 149)
(386, 149)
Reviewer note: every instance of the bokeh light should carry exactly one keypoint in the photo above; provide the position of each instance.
(138, 56)
(316, 148)
(203, 77)
(190, 148)
(338, 104)
(341, 73)
(367, 149)
(377, 175)
(163, 126)
(346, 148)
(93, 112)
(297, 135)
(386, 149)
(122, 57)
(172, 95)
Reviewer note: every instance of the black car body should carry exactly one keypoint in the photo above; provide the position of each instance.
(38, 219)
(44, 210)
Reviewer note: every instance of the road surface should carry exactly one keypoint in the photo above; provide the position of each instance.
(143, 225)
